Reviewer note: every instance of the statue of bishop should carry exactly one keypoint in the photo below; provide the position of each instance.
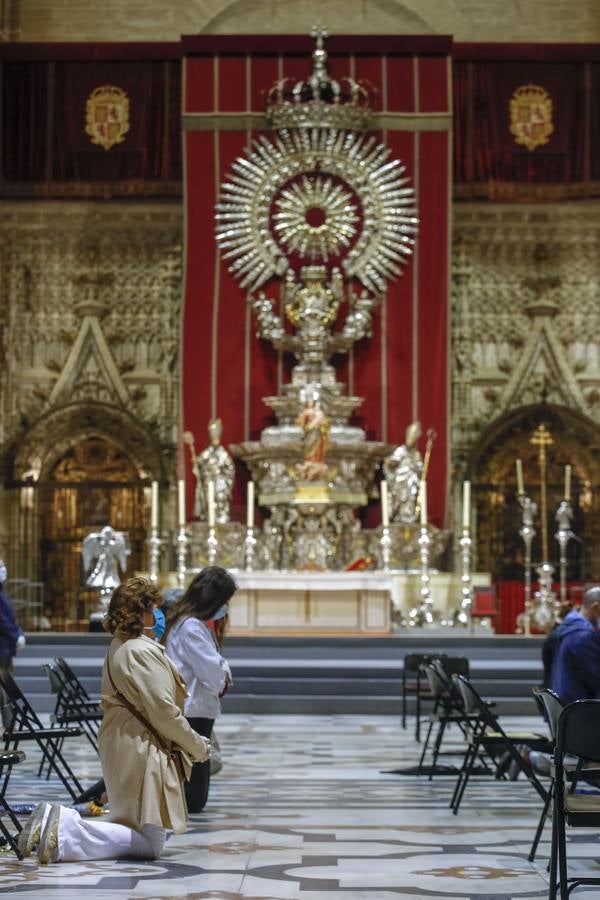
(403, 471)
(216, 465)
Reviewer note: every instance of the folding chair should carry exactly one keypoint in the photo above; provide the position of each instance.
(73, 706)
(74, 682)
(486, 733)
(7, 761)
(25, 725)
(447, 710)
(550, 706)
(412, 683)
(578, 735)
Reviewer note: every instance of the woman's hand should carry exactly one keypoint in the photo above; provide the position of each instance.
(206, 752)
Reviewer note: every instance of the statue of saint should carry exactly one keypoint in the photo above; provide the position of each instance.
(403, 471)
(103, 552)
(216, 465)
(315, 426)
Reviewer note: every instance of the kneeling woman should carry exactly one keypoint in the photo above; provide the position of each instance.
(146, 747)
(194, 647)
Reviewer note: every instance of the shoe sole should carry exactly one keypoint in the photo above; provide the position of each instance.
(31, 832)
(49, 839)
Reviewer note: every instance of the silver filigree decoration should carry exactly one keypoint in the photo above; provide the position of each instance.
(315, 217)
(359, 163)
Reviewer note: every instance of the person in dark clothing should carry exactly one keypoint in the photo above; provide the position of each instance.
(576, 665)
(12, 638)
(550, 643)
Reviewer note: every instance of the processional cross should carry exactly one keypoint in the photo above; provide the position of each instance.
(542, 438)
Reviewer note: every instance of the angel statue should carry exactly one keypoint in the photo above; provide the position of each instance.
(315, 425)
(403, 471)
(103, 553)
(216, 465)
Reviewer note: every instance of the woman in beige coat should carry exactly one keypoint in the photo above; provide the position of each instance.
(143, 724)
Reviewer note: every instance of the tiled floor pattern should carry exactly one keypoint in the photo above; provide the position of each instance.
(302, 810)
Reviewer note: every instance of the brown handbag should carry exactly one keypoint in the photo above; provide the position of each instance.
(174, 754)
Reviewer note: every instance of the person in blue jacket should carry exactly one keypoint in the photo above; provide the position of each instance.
(576, 665)
(11, 635)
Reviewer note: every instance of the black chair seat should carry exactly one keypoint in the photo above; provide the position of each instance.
(70, 731)
(11, 757)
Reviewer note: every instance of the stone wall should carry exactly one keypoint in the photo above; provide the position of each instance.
(153, 20)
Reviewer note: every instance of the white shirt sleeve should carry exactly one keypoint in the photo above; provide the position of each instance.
(202, 656)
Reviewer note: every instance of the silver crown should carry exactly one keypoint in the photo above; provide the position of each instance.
(320, 101)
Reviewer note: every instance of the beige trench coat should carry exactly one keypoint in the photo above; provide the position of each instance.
(141, 780)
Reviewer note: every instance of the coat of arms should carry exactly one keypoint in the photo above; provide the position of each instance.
(531, 116)
(107, 115)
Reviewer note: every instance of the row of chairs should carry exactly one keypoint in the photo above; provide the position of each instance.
(573, 744)
(75, 714)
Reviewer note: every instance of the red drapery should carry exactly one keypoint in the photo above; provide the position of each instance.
(401, 371)
(488, 162)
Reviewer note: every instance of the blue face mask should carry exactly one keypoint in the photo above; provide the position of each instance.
(221, 612)
(158, 629)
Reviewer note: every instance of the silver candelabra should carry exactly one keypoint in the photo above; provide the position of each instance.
(250, 543)
(212, 545)
(385, 546)
(463, 616)
(528, 533)
(154, 545)
(423, 613)
(564, 514)
(182, 545)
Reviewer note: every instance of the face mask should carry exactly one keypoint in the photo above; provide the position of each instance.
(158, 629)
(221, 613)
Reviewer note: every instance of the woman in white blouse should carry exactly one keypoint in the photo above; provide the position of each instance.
(194, 648)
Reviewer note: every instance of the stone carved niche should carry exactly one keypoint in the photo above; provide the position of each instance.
(89, 333)
(525, 318)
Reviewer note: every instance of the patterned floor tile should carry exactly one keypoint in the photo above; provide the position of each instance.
(302, 811)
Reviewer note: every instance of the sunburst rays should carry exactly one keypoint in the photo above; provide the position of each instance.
(261, 218)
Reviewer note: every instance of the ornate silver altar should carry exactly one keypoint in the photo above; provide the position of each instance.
(322, 207)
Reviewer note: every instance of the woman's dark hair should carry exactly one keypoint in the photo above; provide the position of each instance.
(128, 604)
(207, 593)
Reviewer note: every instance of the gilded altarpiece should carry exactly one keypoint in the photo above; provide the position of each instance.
(89, 331)
(525, 321)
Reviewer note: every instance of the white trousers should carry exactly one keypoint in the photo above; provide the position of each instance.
(81, 839)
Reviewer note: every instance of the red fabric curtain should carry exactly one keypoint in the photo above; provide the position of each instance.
(44, 133)
(401, 371)
(488, 162)
(24, 120)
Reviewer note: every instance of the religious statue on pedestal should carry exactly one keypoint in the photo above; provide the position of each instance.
(104, 552)
(403, 471)
(315, 425)
(216, 465)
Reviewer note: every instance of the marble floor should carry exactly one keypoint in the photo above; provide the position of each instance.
(303, 808)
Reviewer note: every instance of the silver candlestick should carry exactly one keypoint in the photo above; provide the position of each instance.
(463, 615)
(182, 545)
(528, 533)
(154, 545)
(385, 546)
(544, 612)
(423, 613)
(212, 545)
(564, 514)
(250, 550)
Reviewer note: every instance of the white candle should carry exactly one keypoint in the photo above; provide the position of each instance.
(250, 505)
(385, 508)
(211, 504)
(423, 502)
(567, 482)
(181, 501)
(466, 504)
(520, 485)
(154, 505)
